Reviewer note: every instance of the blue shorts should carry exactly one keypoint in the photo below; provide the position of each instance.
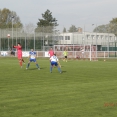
(32, 60)
(54, 63)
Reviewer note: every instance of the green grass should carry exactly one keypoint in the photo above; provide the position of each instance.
(80, 91)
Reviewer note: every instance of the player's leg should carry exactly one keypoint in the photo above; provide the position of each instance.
(28, 65)
(66, 58)
(20, 61)
(59, 64)
(51, 66)
(37, 65)
(59, 69)
(50, 62)
(23, 60)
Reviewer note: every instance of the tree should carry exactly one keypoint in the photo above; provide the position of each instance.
(47, 21)
(8, 17)
(113, 26)
(102, 29)
(73, 29)
(64, 30)
(29, 28)
(108, 28)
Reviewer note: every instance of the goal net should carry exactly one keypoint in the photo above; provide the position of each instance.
(77, 51)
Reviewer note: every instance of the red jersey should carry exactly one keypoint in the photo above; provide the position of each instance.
(51, 53)
(19, 51)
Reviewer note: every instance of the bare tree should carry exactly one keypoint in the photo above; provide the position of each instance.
(29, 28)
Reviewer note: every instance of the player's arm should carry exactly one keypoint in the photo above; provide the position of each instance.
(15, 46)
(19, 47)
(50, 58)
(49, 53)
(35, 55)
(29, 56)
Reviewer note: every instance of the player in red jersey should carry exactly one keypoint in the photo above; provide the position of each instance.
(51, 52)
(19, 53)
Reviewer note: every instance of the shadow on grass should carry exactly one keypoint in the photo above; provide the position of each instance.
(64, 71)
(42, 68)
(32, 69)
(35, 68)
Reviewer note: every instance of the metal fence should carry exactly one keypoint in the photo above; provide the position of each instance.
(36, 39)
(71, 54)
(42, 39)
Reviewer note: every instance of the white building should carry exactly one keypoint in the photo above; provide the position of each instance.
(101, 40)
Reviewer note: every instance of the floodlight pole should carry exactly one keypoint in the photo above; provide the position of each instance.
(8, 35)
(12, 29)
(43, 38)
(84, 38)
(96, 40)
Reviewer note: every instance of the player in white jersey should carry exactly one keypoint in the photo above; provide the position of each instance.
(54, 62)
(32, 58)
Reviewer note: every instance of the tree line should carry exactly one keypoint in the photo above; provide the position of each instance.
(47, 23)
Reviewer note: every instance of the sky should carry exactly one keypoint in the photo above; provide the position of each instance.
(81, 13)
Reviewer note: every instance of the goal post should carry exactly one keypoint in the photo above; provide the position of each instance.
(86, 51)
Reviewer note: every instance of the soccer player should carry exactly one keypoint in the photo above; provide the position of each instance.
(32, 58)
(51, 52)
(19, 53)
(55, 62)
(65, 53)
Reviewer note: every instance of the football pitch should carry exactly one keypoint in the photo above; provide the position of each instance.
(84, 89)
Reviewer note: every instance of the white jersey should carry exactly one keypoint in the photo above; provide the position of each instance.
(54, 58)
(32, 54)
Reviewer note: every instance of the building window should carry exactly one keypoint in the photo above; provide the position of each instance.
(67, 37)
